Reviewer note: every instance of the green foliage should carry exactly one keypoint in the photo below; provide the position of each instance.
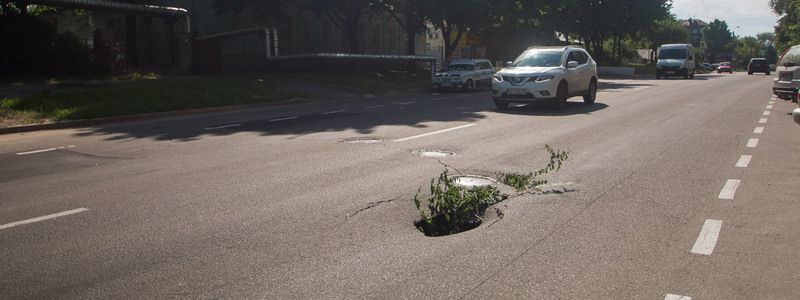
(453, 208)
(522, 182)
(718, 40)
(38, 50)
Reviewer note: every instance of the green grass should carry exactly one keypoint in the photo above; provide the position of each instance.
(149, 93)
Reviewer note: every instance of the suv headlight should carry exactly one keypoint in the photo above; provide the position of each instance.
(544, 78)
(497, 78)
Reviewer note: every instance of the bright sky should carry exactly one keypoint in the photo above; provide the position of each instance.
(751, 16)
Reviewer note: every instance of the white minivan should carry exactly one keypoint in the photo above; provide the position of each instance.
(675, 60)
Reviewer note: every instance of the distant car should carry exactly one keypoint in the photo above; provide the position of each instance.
(464, 74)
(707, 67)
(758, 65)
(787, 83)
(725, 67)
(546, 74)
(675, 60)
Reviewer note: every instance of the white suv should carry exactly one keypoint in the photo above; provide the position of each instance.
(464, 74)
(546, 74)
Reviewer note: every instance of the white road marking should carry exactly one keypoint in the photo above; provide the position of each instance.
(223, 126)
(762, 121)
(407, 103)
(437, 99)
(43, 218)
(772, 102)
(677, 297)
(729, 190)
(435, 132)
(770, 106)
(767, 113)
(744, 161)
(283, 119)
(375, 106)
(759, 130)
(46, 150)
(334, 112)
(752, 143)
(707, 239)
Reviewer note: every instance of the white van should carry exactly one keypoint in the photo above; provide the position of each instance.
(675, 60)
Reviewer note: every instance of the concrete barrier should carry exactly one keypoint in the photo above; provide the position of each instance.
(616, 71)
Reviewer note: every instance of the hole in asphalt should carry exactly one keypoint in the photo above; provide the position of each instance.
(434, 153)
(362, 140)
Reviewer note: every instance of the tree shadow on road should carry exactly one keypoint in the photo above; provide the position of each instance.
(547, 109)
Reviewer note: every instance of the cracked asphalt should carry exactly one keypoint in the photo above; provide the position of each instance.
(271, 203)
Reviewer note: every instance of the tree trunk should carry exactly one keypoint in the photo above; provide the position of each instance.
(352, 32)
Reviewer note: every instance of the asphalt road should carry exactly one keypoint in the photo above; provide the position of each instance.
(314, 201)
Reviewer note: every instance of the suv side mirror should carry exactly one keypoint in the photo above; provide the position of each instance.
(572, 64)
(509, 64)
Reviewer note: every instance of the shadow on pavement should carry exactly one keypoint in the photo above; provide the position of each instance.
(547, 109)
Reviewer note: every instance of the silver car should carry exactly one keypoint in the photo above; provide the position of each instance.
(466, 74)
(546, 74)
(787, 83)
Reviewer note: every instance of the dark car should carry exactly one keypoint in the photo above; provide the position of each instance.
(758, 65)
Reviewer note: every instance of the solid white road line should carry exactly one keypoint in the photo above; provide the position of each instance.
(708, 237)
(677, 297)
(759, 130)
(435, 132)
(437, 99)
(770, 106)
(762, 121)
(283, 119)
(744, 161)
(46, 150)
(334, 112)
(729, 190)
(407, 103)
(223, 126)
(767, 113)
(752, 143)
(374, 106)
(43, 218)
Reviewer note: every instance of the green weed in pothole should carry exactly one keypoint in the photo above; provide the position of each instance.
(530, 181)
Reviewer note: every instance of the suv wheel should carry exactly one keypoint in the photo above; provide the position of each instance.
(501, 105)
(592, 93)
(469, 86)
(561, 96)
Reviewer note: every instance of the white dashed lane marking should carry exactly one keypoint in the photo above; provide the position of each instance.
(677, 297)
(762, 121)
(752, 143)
(43, 218)
(744, 161)
(435, 132)
(770, 106)
(728, 191)
(223, 126)
(283, 119)
(758, 130)
(767, 113)
(707, 239)
(334, 112)
(45, 150)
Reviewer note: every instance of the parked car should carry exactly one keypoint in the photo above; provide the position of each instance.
(464, 74)
(675, 60)
(758, 65)
(551, 74)
(725, 67)
(707, 67)
(787, 83)
(796, 111)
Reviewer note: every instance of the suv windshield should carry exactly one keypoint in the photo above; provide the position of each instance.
(461, 67)
(672, 54)
(792, 56)
(539, 59)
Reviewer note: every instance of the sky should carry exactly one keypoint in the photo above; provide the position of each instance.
(750, 16)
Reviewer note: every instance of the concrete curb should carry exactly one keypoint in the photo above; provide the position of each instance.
(180, 113)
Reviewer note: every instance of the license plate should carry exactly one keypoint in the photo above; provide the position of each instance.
(670, 72)
(517, 92)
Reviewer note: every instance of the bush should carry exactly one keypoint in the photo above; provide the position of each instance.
(36, 49)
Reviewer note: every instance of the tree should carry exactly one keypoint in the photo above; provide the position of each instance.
(746, 48)
(455, 18)
(269, 12)
(664, 31)
(410, 15)
(718, 39)
(345, 15)
(787, 32)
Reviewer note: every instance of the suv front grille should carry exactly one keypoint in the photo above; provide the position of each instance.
(519, 79)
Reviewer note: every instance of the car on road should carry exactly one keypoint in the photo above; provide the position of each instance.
(464, 74)
(796, 112)
(552, 74)
(675, 60)
(725, 67)
(707, 67)
(787, 83)
(758, 65)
